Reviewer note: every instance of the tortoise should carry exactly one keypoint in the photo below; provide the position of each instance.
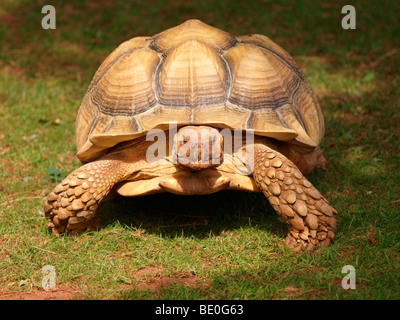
(197, 84)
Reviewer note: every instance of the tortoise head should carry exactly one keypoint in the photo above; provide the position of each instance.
(198, 147)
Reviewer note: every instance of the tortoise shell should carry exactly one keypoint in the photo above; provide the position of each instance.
(195, 74)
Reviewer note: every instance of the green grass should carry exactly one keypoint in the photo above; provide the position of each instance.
(228, 245)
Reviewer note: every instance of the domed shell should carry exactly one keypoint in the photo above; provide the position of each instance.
(197, 74)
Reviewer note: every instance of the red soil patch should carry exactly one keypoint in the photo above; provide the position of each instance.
(58, 294)
(151, 278)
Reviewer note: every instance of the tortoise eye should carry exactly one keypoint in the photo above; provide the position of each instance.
(184, 139)
(214, 138)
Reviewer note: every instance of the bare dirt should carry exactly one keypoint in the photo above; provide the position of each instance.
(58, 294)
(151, 278)
(146, 279)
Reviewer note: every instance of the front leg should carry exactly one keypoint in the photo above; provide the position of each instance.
(310, 217)
(72, 205)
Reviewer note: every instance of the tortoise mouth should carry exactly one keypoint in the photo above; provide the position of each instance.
(196, 164)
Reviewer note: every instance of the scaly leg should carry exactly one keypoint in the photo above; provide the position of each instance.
(294, 198)
(72, 205)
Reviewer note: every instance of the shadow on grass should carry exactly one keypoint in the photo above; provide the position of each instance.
(170, 215)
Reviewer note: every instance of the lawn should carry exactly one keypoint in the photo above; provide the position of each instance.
(228, 245)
